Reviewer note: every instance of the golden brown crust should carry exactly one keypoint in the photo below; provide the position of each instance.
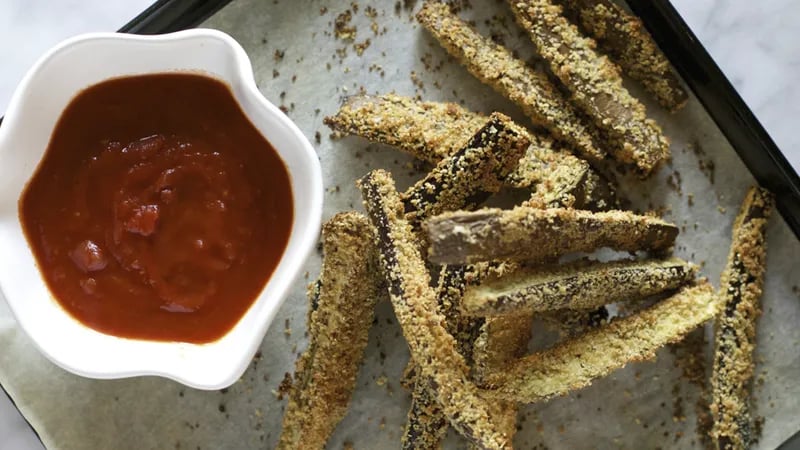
(433, 349)
(465, 179)
(581, 285)
(575, 363)
(595, 84)
(501, 341)
(426, 424)
(735, 334)
(431, 131)
(526, 233)
(624, 39)
(341, 314)
(494, 65)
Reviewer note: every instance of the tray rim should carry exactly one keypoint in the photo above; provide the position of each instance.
(684, 51)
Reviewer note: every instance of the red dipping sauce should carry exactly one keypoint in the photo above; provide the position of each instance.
(158, 211)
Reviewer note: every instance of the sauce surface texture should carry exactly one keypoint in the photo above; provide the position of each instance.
(158, 211)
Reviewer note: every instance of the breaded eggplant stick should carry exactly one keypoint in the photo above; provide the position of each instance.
(501, 341)
(741, 284)
(342, 304)
(581, 285)
(595, 84)
(433, 349)
(526, 233)
(465, 179)
(426, 424)
(625, 40)
(431, 131)
(495, 66)
(575, 363)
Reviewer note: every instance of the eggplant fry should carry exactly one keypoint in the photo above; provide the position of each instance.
(575, 363)
(466, 178)
(342, 306)
(426, 425)
(495, 66)
(741, 285)
(624, 39)
(526, 233)
(431, 131)
(581, 285)
(428, 131)
(595, 84)
(433, 349)
(501, 341)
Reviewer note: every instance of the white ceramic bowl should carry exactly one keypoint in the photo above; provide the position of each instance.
(24, 135)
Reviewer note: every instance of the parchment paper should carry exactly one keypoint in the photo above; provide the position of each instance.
(645, 405)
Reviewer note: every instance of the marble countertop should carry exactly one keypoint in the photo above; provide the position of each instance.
(755, 43)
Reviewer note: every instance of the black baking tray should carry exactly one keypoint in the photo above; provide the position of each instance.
(733, 117)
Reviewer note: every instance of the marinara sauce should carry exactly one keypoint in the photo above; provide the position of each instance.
(158, 211)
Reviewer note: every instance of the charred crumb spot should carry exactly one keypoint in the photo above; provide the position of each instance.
(221, 407)
(278, 55)
(317, 137)
(275, 74)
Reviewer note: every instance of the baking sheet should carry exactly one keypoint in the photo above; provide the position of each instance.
(300, 64)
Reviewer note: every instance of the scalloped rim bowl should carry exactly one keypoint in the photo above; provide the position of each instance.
(24, 135)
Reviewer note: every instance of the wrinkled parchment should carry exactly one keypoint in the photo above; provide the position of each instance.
(646, 405)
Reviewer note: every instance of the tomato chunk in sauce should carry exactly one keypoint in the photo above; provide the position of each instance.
(158, 211)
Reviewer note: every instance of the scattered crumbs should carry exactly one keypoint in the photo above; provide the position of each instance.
(278, 55)
(674, 182)
(275, 73)
(415, 79)
(294, 78)
(382, 423)
(348, 445)
(317, 139)
(722, 209)
(342, 28)
(690, 199)
(284, 387)
(705, 164)
(221, 407)
(381, 380)
(323, 10)
(360, 47)
(287, 329)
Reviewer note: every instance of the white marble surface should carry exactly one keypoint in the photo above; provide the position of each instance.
(757, 44)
